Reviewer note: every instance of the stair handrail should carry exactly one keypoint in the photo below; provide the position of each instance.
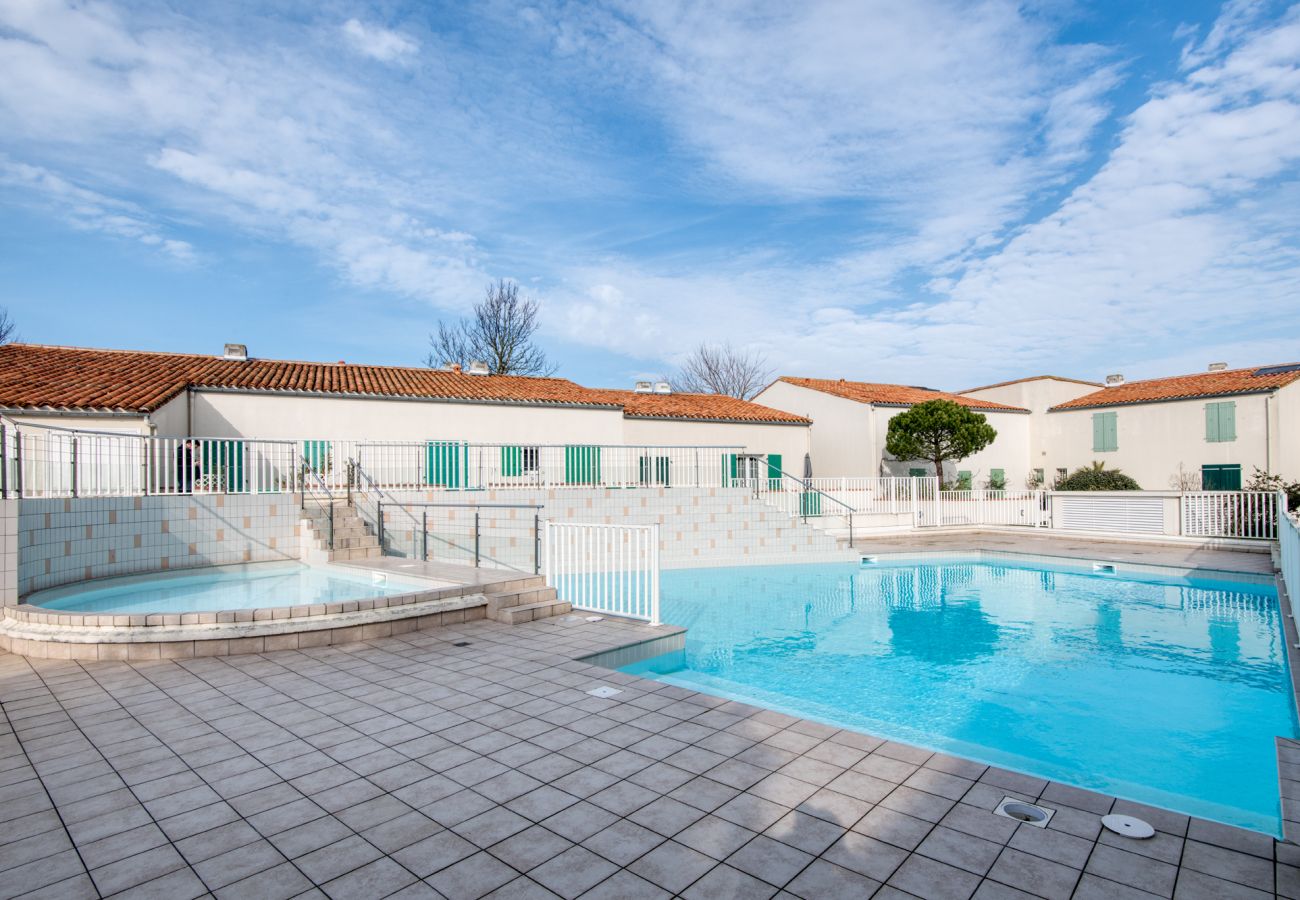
(804, 487)
(309, 471)
(368, 485)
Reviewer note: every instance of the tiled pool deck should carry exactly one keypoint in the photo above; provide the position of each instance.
(469, 761)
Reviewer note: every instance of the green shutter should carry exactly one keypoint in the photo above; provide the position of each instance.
(223, 466)
(512, 461)
(729, 469)
(998, 478)
(317, 454)
(1105, 432)
(774, 471)
(445, 463)
(1112, 431)
(1221, 478)
(963, 480)
(581, 465)
(654, 470)
(916, 473)
(1221, 421)
(810, 503)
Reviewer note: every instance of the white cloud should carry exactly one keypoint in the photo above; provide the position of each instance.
(87, 210)
(379, 43)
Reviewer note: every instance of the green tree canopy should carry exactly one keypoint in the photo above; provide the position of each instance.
(1097, 477)
(937, 431)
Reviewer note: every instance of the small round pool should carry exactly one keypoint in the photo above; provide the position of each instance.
(251, 586)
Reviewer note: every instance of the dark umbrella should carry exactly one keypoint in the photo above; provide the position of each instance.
(807, 465)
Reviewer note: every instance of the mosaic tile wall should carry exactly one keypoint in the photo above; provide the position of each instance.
(8, 551)
(62, 541)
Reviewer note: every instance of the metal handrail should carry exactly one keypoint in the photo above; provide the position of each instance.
(387, 498)
(309, 471)
(803, 483)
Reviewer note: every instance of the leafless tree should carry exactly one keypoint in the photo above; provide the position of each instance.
(7, 327)
(499, 333)
(722, 369)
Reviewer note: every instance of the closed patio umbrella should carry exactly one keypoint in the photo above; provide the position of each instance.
(807, 465)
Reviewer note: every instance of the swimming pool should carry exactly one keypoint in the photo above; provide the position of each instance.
(254, 586)
(1163, 690)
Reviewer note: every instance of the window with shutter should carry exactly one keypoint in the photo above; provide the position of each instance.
(1105, 432)
(1221, 422)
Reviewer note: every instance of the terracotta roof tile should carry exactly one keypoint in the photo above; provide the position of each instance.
(1227, 382)
(892, 394)
(34, 376)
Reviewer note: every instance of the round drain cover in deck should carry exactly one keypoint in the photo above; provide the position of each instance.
(1128, 826)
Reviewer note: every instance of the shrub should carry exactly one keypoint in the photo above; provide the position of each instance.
(1263, 481)
(1097, 478)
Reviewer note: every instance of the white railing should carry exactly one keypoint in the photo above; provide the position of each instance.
(879, 496)
(1289, 541)
(988, 507)
(1235, 514)
(42, 461)
(610, 569)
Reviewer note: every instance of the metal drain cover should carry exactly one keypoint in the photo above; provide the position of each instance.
(1011, 808)
(594, 618)
(1128, 826)
(604, 691)
(461, 644)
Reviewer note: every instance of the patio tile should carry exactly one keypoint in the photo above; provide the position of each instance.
(672, 866)
(623, 842)
(1230, 838)
(402, 831)
(1055, 845)
(276, 883)
(715, 837)
(488, 828)
(823, 879)
(1133, 870)
(725, 882)
(336, 859)
(125, 873)
(294, 842)
(530, 848)
(434, 853)
(770, 860)
(1034, 874)
(1194, 885)
(1229, 865)
(804, 832)
(573, 872)
(668, 816)
(580, 821)
(181, 884)
(472, 877)
(1094, 887)
(623, 885)
(704, 793)
(962, 850)
(237, 864)
(376, 879)
(934, 880)
(865, 855)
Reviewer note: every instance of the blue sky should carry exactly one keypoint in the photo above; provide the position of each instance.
(935, 192)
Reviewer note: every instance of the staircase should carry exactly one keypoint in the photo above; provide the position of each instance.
(525, 600)
(352, 537)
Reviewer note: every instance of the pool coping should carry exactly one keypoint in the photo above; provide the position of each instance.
(33, 631)
(1288, 749)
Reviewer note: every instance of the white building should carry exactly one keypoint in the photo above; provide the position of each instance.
(1206, 430)
(851, 421)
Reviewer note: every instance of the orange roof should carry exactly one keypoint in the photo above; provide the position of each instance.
(1255, 380)
(697, 406)
(34, 376)
(1031, 378)
(892, 394)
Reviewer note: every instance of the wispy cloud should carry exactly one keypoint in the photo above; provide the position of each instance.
(379, 43)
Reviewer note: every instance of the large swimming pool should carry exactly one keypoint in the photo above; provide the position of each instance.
(254, 586)
(1164, 690)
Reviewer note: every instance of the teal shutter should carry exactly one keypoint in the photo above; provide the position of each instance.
(774, 470)
(1221, 478)
(318, 455)
(512, 461)
(1212, 422)
(445, 463)
(1098, 432)
(916, 473)
(1112, 431)
(963, 480)
(223, 466)
(581, 465)
(729, 468)
(1221, 421)
(998, 479)
(810, 503)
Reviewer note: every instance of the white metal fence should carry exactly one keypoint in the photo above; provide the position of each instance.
(40, 461)
(1289, 540)
(611, 569)
(1244, 514)
(988, 507)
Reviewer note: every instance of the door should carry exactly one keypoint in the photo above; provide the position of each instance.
(582, 465)
(774, 471)
(1221, 478)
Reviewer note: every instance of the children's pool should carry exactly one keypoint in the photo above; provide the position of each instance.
(1163, 690)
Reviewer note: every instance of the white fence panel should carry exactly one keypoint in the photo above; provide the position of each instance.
(1289, 540)
(611, 569)
(1235, 514)
(1139, 515)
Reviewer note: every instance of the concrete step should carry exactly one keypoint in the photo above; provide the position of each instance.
(350, 553)
(531, 612)
(511, 599)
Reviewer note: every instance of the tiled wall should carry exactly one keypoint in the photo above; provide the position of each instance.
(699, 526)
(8, 551)
(62, 541)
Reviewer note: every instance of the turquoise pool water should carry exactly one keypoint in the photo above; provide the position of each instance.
(1167, 691)
(254, 586)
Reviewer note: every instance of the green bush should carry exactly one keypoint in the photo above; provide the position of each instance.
(1097, 478)
(1263, 481)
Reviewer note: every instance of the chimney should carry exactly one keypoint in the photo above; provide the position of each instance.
(451, 367)
(643, 387)
(1218, 367)
(1114, 380)
(663, 387)
(235, 351)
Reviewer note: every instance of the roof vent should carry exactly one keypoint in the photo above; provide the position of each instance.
(235, 351)
(644, 387)
(663, 387)
(1114, 380)
(1218, 367)
(477, 367)
(450, 367)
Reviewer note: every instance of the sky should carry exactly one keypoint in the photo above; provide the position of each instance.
(933, 192)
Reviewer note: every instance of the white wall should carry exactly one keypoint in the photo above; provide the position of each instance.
(1155, 438)
(791, 441)
(1009, 451)
(841, 437)
(219, 414)
(172, 419)
(116, 424)
(1284, 432)
(1038, 396)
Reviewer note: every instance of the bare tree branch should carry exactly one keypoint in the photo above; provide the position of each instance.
(499, 333)
(722, 369)
(8, 328)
